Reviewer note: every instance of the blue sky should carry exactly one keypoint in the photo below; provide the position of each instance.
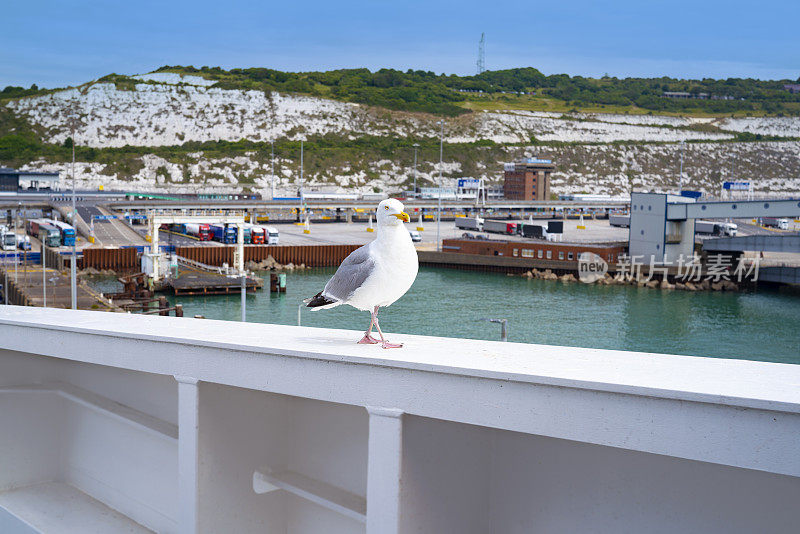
(58, 43)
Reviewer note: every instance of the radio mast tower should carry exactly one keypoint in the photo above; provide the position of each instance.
(482, 54)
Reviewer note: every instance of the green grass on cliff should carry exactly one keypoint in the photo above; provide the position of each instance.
(523, 88)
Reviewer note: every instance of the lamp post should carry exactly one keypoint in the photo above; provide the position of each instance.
(439, 214)
(416, 146)
(72, 267)
(244, 294)
(44, 270)
(680, 179)
(272, 167)
(302, 200)
(16, 242)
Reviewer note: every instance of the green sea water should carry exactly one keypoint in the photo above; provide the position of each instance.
(759, 325)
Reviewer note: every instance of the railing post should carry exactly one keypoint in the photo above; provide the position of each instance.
(384, 465)
(188, 441)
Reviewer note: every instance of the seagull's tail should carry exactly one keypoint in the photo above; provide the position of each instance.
(321, 302)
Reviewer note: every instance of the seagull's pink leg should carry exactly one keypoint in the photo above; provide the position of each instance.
(384, 342)
(368, 339)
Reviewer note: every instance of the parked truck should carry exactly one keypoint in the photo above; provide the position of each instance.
(257, 234)
(44, 232)
(271, 236)
(470, 223)
(621, 221)
(9, 240)
(715, 228)
(500, 227)
(775, 222)
(223, 234)
(67, 232)
(23, 242)
(536, 231)
(201, 231)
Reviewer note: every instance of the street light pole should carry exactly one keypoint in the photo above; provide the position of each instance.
(439, 214)
(44, 270)
(72, 267)
(416, 146)
(680, 187)
(244, 294)
(300, 211)
(16, 242)
(272, 167)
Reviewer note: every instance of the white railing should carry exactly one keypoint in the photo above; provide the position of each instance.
(280, 425)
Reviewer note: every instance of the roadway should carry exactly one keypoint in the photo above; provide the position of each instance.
(356, 204)
(179, 240)
(356, 233)
(108, 232)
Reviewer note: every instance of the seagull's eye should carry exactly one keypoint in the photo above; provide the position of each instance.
(386, 207)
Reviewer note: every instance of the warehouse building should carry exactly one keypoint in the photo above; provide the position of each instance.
(528, 179)
(12, 180)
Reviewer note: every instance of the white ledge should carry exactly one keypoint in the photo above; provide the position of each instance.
(313, 490)
(742, 383)
(58, 508)
(102, 405)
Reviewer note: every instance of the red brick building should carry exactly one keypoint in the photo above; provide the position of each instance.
(528, 179)
(538, 250)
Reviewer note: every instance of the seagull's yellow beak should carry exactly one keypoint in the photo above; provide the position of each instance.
(403, 216)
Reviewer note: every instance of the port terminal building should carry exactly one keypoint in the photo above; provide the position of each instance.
(12, 180)
(527, 179)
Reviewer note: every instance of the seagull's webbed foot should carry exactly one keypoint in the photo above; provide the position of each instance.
(384, 342)
(368, 340)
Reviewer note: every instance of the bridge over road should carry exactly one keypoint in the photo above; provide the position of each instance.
(758, 243)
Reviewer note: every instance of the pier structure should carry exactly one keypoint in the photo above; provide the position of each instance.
(152, 260)
(128, 423)
(34, 285)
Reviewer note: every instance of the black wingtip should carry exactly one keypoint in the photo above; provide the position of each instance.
(318, 300)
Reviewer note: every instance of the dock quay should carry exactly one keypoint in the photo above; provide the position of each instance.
(30, 286)
(193, 281)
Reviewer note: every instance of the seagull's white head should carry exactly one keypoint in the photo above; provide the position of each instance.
(390, 213)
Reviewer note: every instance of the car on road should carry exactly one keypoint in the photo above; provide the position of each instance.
(416, 237)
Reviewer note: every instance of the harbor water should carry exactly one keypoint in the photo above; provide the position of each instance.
(759, 325)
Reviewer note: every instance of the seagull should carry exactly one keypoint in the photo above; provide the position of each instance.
(375, 275)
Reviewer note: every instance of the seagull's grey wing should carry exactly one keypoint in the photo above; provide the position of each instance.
(350, 275)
